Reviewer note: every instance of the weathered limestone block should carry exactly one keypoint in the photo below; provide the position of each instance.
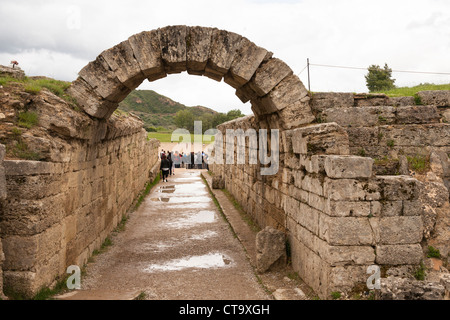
(289, 92)
(371, 99)
(173, 48)
(246, 61)
(325, 138)
(198, 44)
(405, 254)
(360, 116)
(268, 75)
(401, 101)
(271, 250)
(438, 98)
(27, 167)
(396, 288)
(349, 167)
(223, 50)
(348, 208)
(398, 230)
(91, 102)
(104, 81)
(321, 101)
(399, 187)
(417, 114)
(3, 195)
(345, 231)
(344, 190)
(3, 189)
(346, 255)
(147, 51)
(122, 62)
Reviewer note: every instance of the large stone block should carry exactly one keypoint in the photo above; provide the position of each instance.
(438, 98)
(407, 254)
(350, 167)
(290, 91)
(325, 138)
(246, 61)
(198, 44)
(348, 208)
(345, 231)
(326, 100)
(223, 50)
(268, 75)
(360, 117)
(271, 249)
(122, 62)
(26, 167)
(417, 114)
(104, 81)
(344, 190)
(147, 50)
(399, 187)
(174, 48)
(91, 102)
(398, 230)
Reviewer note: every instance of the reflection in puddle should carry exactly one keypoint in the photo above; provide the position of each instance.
(160, 199)
(173, 243)
(182, 199)
(211, 260)
(193, 219)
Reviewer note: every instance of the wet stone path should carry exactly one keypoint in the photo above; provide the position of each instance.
(175, 246)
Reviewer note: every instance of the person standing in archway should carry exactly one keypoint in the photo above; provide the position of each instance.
(169, 157)
(164, 167)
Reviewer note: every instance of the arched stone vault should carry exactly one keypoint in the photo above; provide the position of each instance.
(267, 82)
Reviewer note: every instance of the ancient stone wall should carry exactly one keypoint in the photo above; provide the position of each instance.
(2, 197)
(338, 215)
(379, 126)
(58, 212)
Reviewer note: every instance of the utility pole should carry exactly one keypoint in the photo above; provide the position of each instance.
(309, 81)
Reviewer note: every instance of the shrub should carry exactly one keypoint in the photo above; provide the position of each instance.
(335, 295)
(433, 253)
(418, 163)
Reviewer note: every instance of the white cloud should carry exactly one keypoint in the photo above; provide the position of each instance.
(57, 38)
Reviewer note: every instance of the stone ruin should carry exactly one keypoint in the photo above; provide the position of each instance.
(344, 196)
(344, 209)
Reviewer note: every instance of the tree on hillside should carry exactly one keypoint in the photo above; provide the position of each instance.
(379, 79)
(234, 114)
(185, 119)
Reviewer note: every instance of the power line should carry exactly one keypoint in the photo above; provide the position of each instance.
(359, 68)
(302, 70)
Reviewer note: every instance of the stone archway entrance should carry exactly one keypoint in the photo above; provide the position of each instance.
(267, 82)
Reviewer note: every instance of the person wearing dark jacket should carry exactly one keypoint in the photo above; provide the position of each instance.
(169, 157)
(165, 166)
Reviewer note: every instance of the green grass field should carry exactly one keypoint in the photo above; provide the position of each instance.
(411, 91)
(166, 137)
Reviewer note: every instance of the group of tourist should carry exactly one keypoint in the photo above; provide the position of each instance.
(171, 161)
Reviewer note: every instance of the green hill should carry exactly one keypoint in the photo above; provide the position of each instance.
(157, 110)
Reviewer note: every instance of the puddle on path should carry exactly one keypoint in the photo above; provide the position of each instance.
(173, 242)
(207, 261)
(192, 220)
(200, 199)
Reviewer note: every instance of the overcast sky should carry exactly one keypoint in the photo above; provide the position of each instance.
(57, 38)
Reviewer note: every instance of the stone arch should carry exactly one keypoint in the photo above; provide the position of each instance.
(267, 82)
